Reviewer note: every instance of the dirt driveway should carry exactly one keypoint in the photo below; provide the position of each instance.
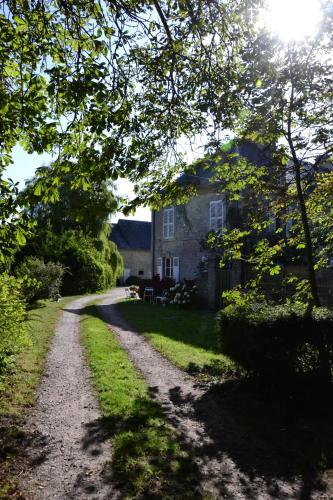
(65, 460)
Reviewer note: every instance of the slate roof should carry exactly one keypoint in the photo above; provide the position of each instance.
(131, 234)
(251, 151)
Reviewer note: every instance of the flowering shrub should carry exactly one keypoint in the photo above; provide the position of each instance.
(182, 294)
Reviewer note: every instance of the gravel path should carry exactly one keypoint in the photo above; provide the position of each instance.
(67, 454)
(64, 460)
(233, 464)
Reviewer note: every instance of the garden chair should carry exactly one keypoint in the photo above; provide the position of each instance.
(148, 293)
(161, 298)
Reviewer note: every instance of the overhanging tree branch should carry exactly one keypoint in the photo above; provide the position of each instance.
(163, 19)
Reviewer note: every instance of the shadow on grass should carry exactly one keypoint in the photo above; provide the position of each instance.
(276, 435)
(36, 305)
(190, 326)
(147, 461)
(265, 438)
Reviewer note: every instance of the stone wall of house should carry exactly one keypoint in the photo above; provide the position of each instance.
(137, 263)
(191, 225)
(275, 286)
(213, 281)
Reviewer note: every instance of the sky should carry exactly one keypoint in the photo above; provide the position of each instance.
(24, 166)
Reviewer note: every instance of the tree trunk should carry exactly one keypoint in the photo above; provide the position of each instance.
(307, 236)
(304, 216)
(325, 367)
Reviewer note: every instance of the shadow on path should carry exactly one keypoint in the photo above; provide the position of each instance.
(264, 439)
(138, 469)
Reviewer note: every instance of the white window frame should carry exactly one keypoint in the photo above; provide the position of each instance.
(216, 215)
(171, 268)
(168, 267)
(168, 223)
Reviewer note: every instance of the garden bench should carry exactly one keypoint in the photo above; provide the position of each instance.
(131, 294)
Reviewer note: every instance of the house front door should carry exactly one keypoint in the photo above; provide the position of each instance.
(171, 268)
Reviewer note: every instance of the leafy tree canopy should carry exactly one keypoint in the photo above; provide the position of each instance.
(110, 88)
(86, 210)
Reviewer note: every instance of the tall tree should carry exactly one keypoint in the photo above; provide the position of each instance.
(73, 229)
(108, 87)
(286, 92)
(85, 210)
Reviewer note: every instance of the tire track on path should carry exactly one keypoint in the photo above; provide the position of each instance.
(68, 457)
(233, 464)
(64, 458)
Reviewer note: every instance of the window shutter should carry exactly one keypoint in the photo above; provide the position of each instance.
(171, 222)
(159, 267)
(211, 215)
(175, 265)
(216, 215)
(168, 222)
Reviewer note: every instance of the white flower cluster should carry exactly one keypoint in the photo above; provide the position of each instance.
(181, 294)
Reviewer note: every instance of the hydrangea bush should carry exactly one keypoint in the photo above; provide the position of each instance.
(182, 294)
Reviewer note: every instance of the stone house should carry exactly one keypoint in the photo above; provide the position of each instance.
(178, 231)
(133, 239)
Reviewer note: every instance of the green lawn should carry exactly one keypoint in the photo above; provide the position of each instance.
(18, 389)
(148, 461)
(186, 337)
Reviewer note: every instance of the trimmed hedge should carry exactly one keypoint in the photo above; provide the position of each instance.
(278, 341)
